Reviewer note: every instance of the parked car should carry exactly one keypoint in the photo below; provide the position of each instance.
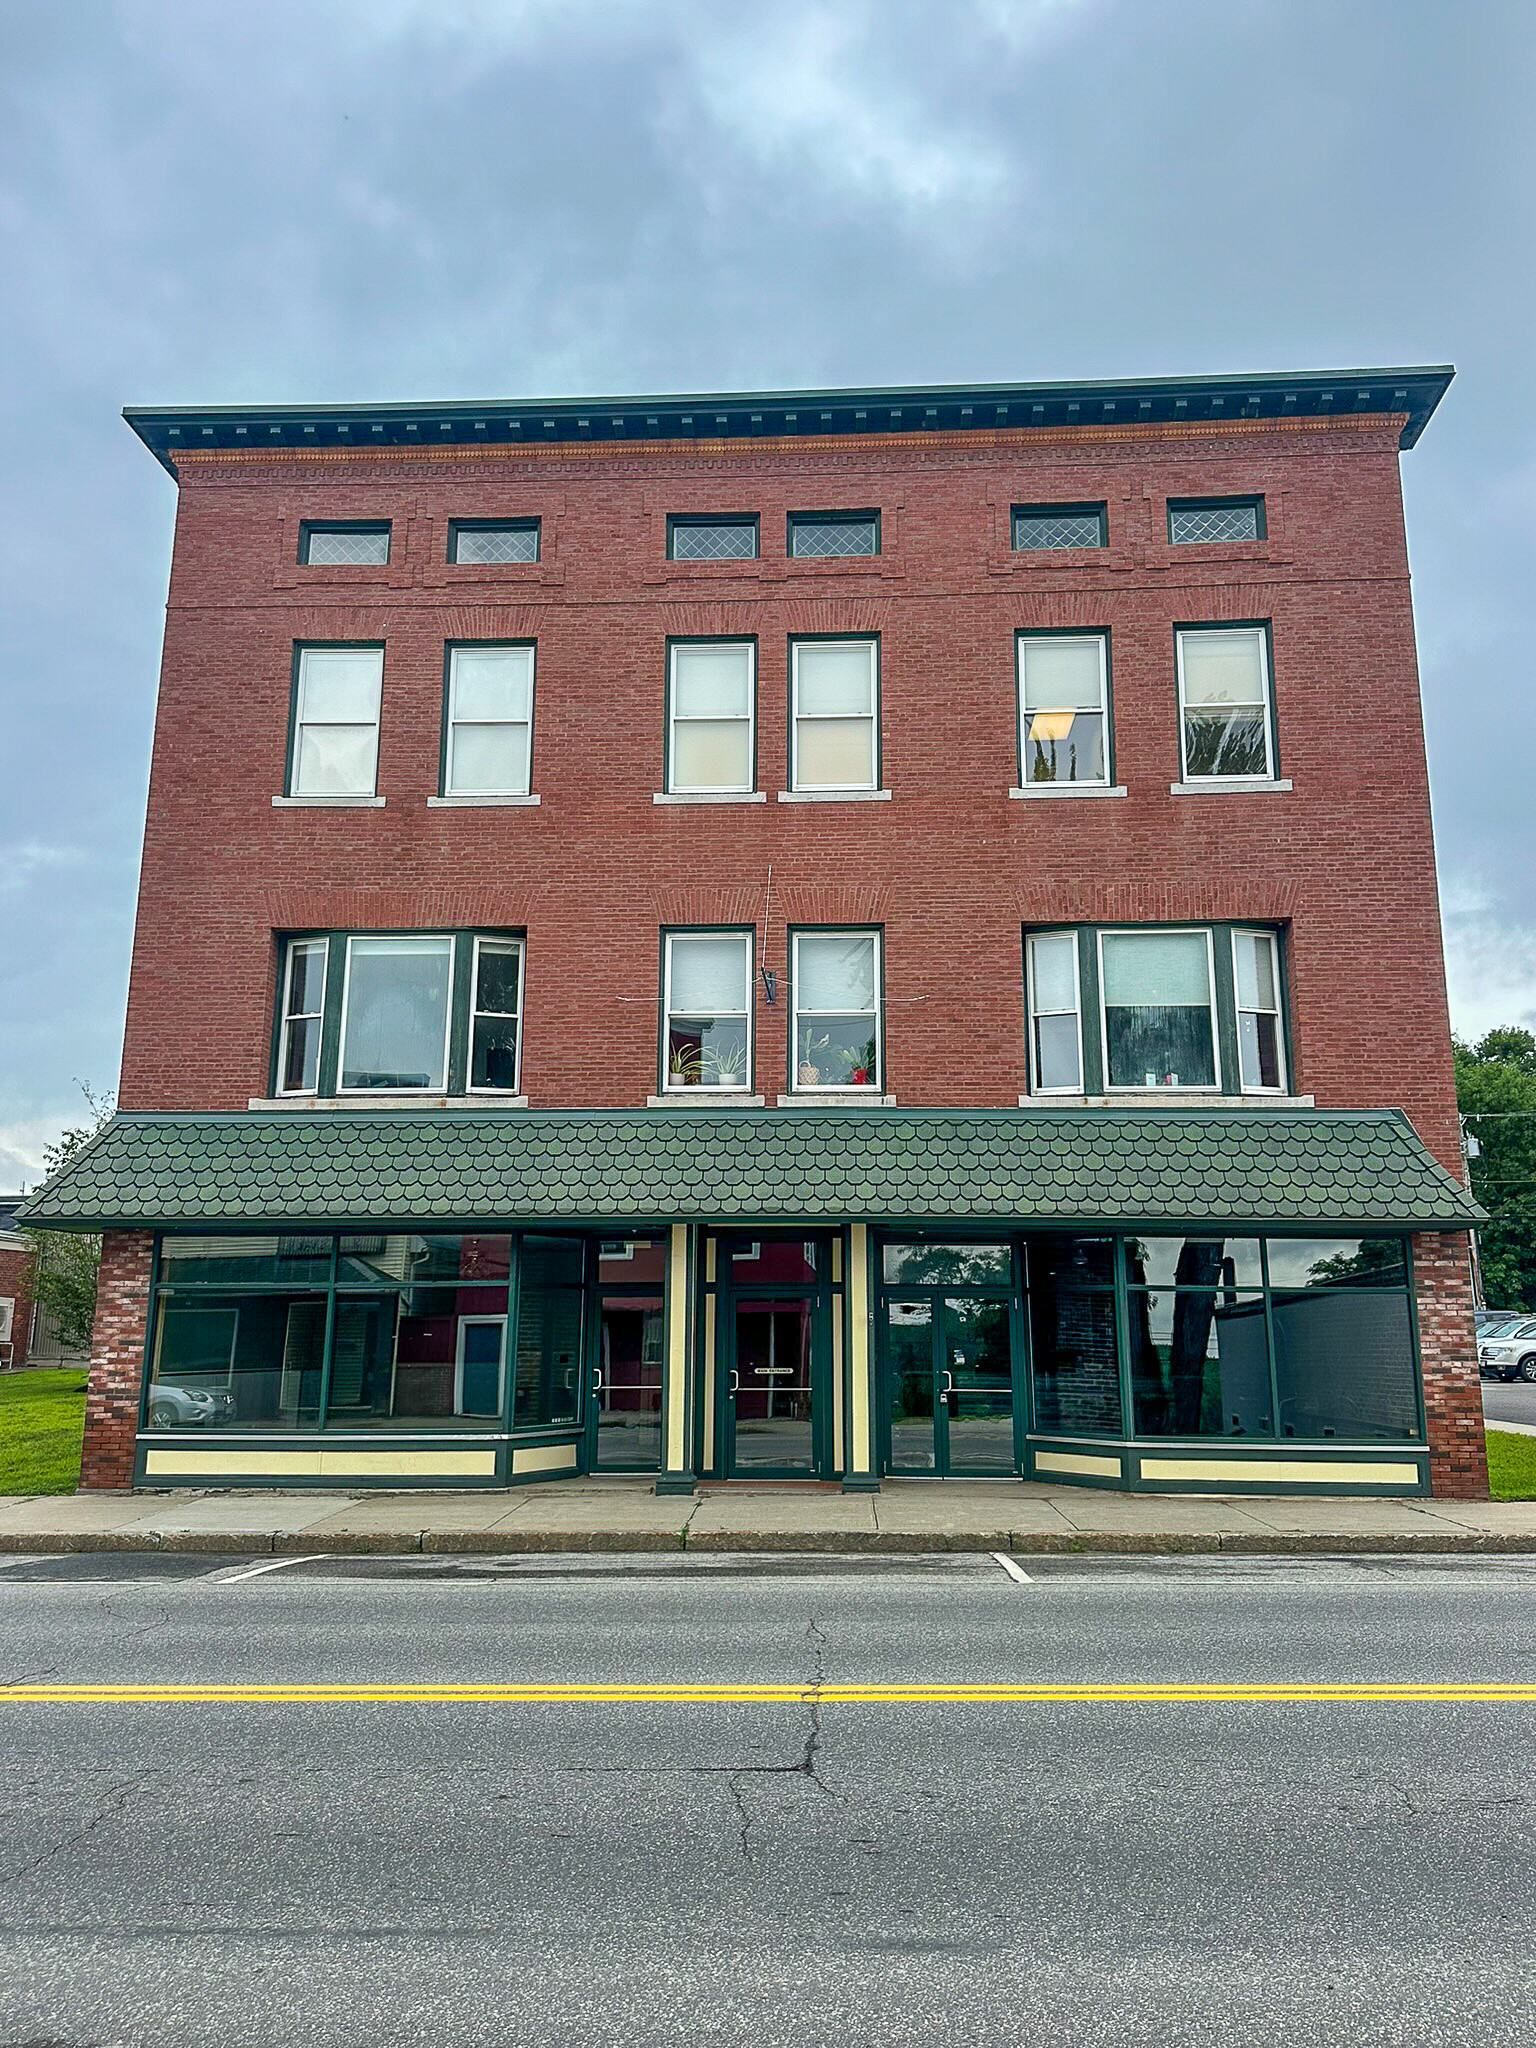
(1508, 1352)
(189, 1407)
(1489, 1319)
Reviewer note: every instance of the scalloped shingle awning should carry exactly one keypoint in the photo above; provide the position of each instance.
(1071, 1167)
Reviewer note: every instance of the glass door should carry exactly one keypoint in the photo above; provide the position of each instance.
(773, 1369)
(624, 1398)
(976, 1395)
(948, 1371)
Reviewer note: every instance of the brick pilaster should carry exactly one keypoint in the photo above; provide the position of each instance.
(1453, 1398)
(117, 1359)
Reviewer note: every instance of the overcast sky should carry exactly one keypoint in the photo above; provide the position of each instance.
(333, 200)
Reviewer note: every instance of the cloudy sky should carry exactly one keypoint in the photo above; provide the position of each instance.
(329, 200)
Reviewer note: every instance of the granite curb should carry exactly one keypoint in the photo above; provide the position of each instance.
(841, 1542)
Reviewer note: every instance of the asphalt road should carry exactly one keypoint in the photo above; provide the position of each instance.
(1509, 1401)
(1106, 1871)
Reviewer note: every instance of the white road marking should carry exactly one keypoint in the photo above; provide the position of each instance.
(1019, 1577)
(273, 1564)
(7, 1563)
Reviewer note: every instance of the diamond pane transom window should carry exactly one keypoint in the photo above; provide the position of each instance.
(1237, 519)
(511, 541)
(712, 540)
(1042, 527)
(815, 535)
(335, 547)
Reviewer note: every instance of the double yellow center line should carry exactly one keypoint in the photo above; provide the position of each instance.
(728, 1694)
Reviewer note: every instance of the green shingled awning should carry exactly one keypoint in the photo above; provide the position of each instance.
(1072, 1167)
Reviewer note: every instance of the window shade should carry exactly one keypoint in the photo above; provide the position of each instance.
(1222, 667)
(340, 684)
(1053, 965)
(709, 974)
(711, 682)
(835, 678)
(836, 974)
(492, 682)
(1156, 970)
(1062, 674)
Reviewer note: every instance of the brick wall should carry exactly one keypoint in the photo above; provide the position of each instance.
(1453, 1399)
(117, 1360)
(17, 1281)
(950, 866)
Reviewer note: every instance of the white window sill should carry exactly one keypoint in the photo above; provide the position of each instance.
(1225, 785)
(837, 1098)
(709, 796)
(834, 796)
(1186, 1098)
(392, 1098)
(477, 803)
(1069, 789)
(327, 803)
(699, 1098)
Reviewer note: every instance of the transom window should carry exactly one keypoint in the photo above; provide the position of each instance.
(837, 1025)
(403, 1012)
(711, 698)
(1038, 528)
(1063, 707)
(834, 691)
(335, 746)
(707, 1010)
(730, 538)
(1183, 1008)
(337, 544)
(491, 541)
(818, 534)
(1192, 520)
(488, 742)
(1225, 714)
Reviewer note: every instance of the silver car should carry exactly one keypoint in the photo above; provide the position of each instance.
(190, 1407)
(1508, 1352)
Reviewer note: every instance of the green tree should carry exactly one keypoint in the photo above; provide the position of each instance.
(67, 1262)
(1496, 1091)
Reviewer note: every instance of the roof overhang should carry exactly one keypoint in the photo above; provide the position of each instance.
(1281, 1169)
(1408, 394)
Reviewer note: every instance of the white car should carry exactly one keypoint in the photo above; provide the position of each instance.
(1511, 1354)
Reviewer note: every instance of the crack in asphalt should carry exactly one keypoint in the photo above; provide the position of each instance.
(109, 1806)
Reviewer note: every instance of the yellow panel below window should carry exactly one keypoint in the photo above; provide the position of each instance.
(1280, 1471)
(318, 1464)
(233, 1464)
(545, 1458)
(1079, 1462)
(408, 1464)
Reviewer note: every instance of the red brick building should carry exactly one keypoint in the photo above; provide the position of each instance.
(822, 934)
(18, 1286)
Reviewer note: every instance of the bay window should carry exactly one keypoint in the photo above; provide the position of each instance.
(837, 1034)
(335, 744)
(835, 714)
(394, 1013)
(1063, 708)
(1158, 1000)
(707, 1010)
(303, 1013)
(488, 737)
(1225, 717)
(711, 692)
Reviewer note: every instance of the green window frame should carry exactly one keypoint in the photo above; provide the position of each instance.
(1216, 522)
(822, 536)
(471, 1025)
(1043, 726)
(333, 536)
(513, 718)
(865, 712)
(811, 1052)
(494, 543)
(720, 1052)
(679, 650)
(313, 713)
(1042, 529)
(713, 537)
(1236, 1046)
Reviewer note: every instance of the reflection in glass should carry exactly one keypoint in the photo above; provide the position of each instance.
(246, 1360)
(947, 1265)
(628, 1382)
(1336, 1261)
(1199, 1361)
(395, 1029)
(1074, 1350)
(769, 1261)
(978, 1365)
(548, 1331)
(1193, 1262)
(1344, 1365)
(247, 1261)
(909, 1378)
(772, 1396)
(1158, 1030)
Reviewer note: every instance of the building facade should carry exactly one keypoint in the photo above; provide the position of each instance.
(18, 1287)
(816, 935)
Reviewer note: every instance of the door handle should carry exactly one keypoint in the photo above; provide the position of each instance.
(949, 1384)
(597, 1382)
(735, 1381)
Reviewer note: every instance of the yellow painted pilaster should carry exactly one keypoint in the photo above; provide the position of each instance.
(679, 1327)
(862, 1403)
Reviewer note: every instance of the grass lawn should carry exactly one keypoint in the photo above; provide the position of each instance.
(1511, 1465)
(42, 1417)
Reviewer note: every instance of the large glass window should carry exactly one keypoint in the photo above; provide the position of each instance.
(834, 689)
(1063, 708)
(627, 1382)
(707, 1010)
(303, 1013)
(837, 1037)
(336, 721)
(1055, 1015)
(549, 1321)
(488, 747)
(1224, 704)
(394, 1021)
(1157, 995)
(1074, 1345)
(420, 1329)
(1199, 1346)
(710, 708)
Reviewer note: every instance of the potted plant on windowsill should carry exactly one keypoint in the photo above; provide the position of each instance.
(808, 1072)
(685, 1066)
(726, 1065)
(860, 1064)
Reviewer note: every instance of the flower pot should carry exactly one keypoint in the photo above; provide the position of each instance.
(859, 1078)
(810, 1074)
(728, 1081)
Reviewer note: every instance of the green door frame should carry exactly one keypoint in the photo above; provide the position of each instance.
(819, 1293)
(1011, 1296)
(592, 1359)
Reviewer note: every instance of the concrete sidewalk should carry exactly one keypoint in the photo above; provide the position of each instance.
(623, 1514)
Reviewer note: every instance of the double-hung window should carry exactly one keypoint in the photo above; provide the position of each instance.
(1260, 1038)
(835, 714)
(1063, 708)
(335, 745)
(707, 1010)
(1225, 714)
(1055, 1015)
(488, 737)
(711, 700)
(431, 1013)
(837, 1025)
(1157, 1005)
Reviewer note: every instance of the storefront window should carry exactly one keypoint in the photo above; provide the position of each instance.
(1344, 1364)
(1073, 1344)
(548, 1331)
(948, 1265)
(249, 1361)
(1199, 1348)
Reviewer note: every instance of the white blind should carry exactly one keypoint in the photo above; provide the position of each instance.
(709, 974)
(1053, 962)
(1062, 674)
(1223, 667)
(340, 685)
(1255, 971)
(492, 682)
(1156, 970)
(835, 678)
(835, 973)
(712, 682)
